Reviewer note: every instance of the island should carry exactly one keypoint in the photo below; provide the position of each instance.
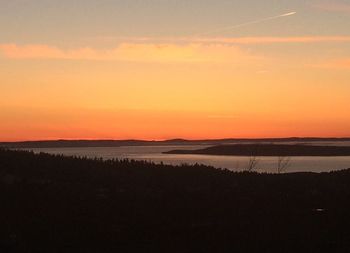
(268, 150)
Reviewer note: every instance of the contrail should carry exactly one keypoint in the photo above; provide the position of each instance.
(248, 23)
(287, 14)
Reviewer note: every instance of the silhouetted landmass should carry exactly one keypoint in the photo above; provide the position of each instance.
(119, 143)
(268, 150)
(51, 203)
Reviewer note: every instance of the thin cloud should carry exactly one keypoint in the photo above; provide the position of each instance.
(335, 64)
(134, 52)
(332, 6)
(190, 49)
(274, 40)
(234, 40)
(223, 117)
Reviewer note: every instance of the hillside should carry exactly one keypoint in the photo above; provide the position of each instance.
(65, 204)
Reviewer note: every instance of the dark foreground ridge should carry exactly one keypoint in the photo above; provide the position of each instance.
(61, 204)
(268, 150)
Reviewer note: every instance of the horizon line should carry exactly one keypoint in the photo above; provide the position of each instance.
(180, 139)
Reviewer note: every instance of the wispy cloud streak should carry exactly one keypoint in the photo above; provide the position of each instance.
(204, 49)
(332, 6)
(133, 52)
(272, 40)
(234, 40)
(341, 64)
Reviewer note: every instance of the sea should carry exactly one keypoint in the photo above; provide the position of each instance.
(234, 163)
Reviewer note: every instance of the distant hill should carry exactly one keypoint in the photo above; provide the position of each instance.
(119, 143)
(268, 150)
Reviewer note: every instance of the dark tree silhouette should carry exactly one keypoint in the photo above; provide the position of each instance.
(51, 203)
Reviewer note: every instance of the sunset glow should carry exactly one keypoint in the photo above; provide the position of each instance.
(156, 79)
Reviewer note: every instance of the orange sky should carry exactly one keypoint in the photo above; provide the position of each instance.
(160, 87)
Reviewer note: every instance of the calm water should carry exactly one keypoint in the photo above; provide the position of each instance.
(236, 163)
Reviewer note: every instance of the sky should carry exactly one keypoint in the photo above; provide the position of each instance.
(163, 69)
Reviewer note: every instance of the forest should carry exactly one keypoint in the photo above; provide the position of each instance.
(52, 203)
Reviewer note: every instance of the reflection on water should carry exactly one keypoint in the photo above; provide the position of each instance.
(236, 163)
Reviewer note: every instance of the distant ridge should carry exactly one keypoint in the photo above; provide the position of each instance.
(179, 141)
(268, 150)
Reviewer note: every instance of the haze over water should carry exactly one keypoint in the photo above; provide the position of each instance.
(235, 163)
